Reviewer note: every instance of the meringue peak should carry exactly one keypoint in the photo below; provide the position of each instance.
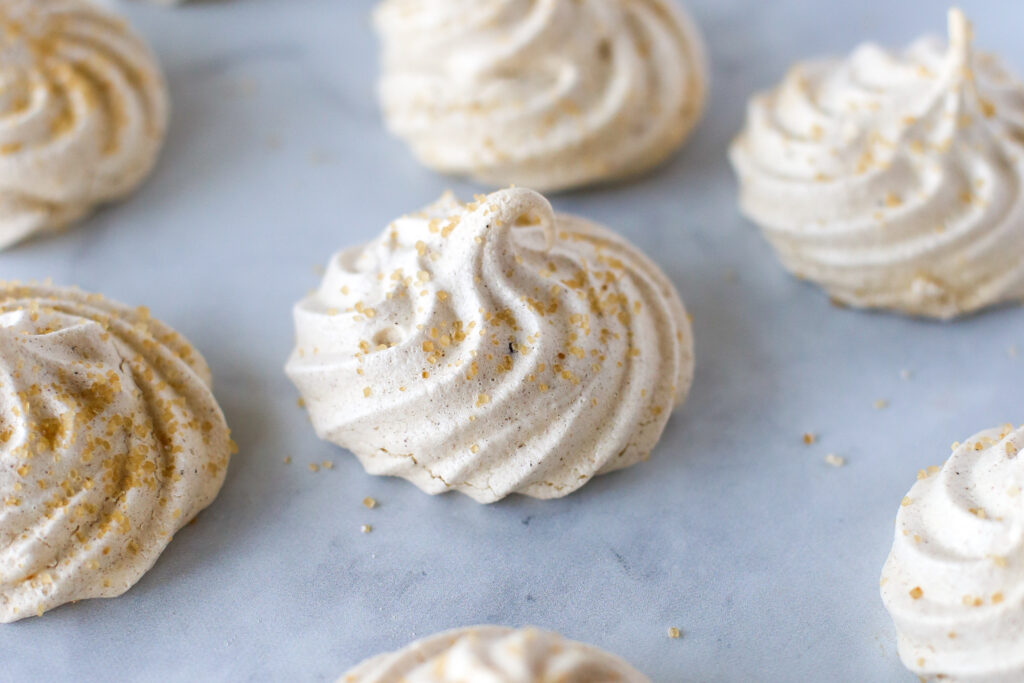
(893, 179)
(549, 94)
(493, 347)
(955, 564)
(494, 653)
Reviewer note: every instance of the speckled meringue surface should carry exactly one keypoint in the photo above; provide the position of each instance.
(493, 348)
(494, 654)
(110, 441)
(545, 94)
(83, 113)
(893, 180)
(954, 582)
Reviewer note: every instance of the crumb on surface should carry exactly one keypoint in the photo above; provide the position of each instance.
(881, 404)
(313, 467)
(369, 503)
(674, 633)
(366, 528)
(288, 460)
(835, 460)
(809, 438)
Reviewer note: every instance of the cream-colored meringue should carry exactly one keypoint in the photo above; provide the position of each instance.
(954, 582)
(893, 180)
(493, 348)
(494, 654)
(542, 93)
(83, 112)
(110, 441)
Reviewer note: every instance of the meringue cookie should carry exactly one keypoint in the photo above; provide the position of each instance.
(893, 180)
(494, 654)
(547, 94)
(954, 583)
(493, 348)
(110, 441)
(83, 112)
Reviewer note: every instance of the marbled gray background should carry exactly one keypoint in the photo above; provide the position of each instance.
(735, 531)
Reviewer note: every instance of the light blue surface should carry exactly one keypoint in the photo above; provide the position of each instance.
(735, 531)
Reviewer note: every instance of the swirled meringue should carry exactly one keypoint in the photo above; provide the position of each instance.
(494, 654)
(546, 94)
(954, 582)
(110, 441)
(893, 180)
(493, 348)
(83, 112)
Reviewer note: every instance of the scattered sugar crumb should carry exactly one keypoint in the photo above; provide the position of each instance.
(301, 402)
(369, 503)
(809, 438)
(288, 460)
(674, 633)
(327, 465)
(881, 404)
(366, 528)
(835, 460)
(313, 467)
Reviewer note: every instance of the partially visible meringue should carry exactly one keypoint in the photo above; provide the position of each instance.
(494, 654)
(954, 582)
(546, 94)
(83, 113)
(110, 441)
(894, 181)
(493, 348)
